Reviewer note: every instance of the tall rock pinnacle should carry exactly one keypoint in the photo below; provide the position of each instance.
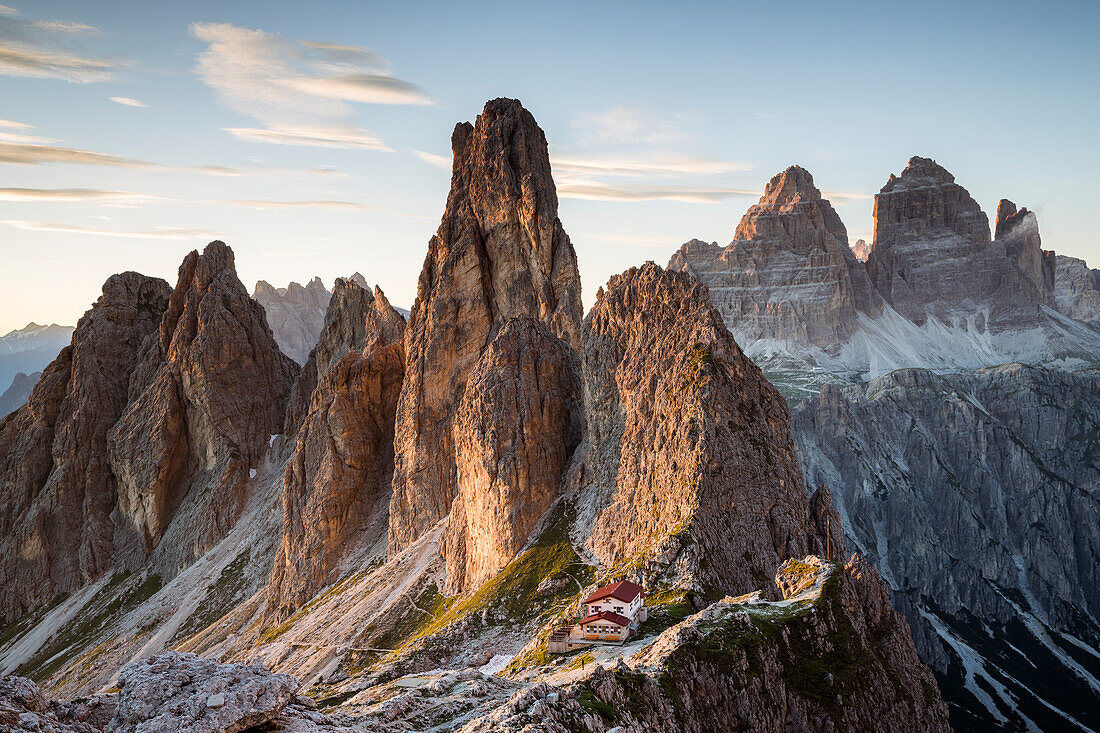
(500, 253)
(789, 273)
(336, 486)
(514, 432)
(210, 390)
(57, 491)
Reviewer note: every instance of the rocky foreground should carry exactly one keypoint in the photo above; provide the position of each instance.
(722, 668)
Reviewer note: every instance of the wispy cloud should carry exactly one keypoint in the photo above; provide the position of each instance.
(159, 233)
(764, 115)
(300, 91)
(438, 161)
(45, 49)
(577, 166)
(127, 101)
(71, 194)
(322, 204)
(5, 10)
(13, 123)
(625, 167)
(628, 125)
(599, 191)
(35, 154)
(20, 138)
(844, 197)
(316, 136)
(28, 153)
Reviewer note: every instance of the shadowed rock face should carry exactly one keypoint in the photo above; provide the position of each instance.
(210, 389)
(516, 428)
(295, 314)
(1018, 231)
(789, 272)
(500, 252)
(1076, 288)
(346, 330)
(57, 490)
(336, 486)
(689, 456)
(976, 496)
(933, 256)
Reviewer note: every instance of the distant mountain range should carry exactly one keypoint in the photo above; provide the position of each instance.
(27, 350)
(947, 391)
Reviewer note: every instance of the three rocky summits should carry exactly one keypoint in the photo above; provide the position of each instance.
(438, 492)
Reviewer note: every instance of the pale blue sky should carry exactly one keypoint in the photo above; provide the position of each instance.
(662, 121)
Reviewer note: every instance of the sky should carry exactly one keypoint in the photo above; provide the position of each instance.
(314, 138)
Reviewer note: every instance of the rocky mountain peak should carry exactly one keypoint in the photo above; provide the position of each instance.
(500, 252)
(919, 173)
(789, 272)
(1008, 218)
(792, 209)
(933, 256)
(203, 403)
(336, 485)
(295, 314)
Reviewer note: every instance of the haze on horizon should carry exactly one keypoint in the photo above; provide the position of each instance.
(315, 139)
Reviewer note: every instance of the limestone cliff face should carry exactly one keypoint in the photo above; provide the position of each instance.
(835, 656)
(336, 486)
(1018, 231)
(500, 252)
(688, 452)
(1076, 288)
(295, 314)
(789, 273)
(932, 255)
(57, 490)
(210, 389)
(976, 497)
(514, 432)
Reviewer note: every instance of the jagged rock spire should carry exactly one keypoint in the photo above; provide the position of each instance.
(500, 253)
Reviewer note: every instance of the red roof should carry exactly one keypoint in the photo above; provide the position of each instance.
(606, 616)
(624, 590)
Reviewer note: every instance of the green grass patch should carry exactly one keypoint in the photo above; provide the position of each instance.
(229, 590)
(12, 630)
(122, 594)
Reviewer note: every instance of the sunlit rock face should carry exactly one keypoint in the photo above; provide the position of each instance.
(336, 486)
(209, 391)
(500, 253)
(933, 256)
(517, 426)
(789, 273)
(295, 314)
(688, 455)
(57, 489)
